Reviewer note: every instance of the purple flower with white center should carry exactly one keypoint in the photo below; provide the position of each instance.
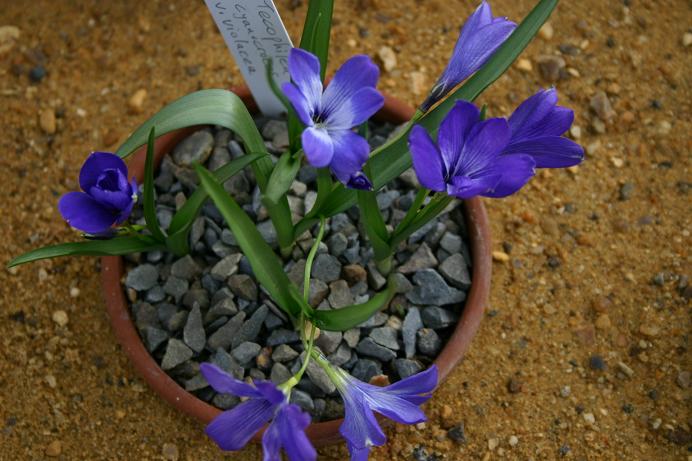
(468, 159)
(349, 100)
(233, 429)
(107, 199)
(399, 401)
(480, 37)
(537, 126)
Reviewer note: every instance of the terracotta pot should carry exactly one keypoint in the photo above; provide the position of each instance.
(322, 433)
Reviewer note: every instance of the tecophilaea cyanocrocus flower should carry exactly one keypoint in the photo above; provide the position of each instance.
(233, 429)
(467, 160)
(399, 401)
(537, 125)
(480, 36)
(349, 100)
(107, 199)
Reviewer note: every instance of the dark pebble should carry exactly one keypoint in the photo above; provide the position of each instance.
(596, 362)
(457, 434)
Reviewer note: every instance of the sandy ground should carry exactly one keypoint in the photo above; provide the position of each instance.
(584, 353)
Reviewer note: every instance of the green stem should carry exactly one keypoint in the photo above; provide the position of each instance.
(311, 258)
(327, 367)
(429, 212)
(413, 211)
(309, 347)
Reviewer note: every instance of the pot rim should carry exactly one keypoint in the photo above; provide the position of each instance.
(320, 433)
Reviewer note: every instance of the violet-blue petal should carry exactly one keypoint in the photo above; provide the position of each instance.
(479, 38)
(516, 171)
(549, 151)
(85, 213)
(355, 110)
(394, 407)
(356, 73)
(96, 164)
(351, 151)
(419, 383)
(360, 427)
(532, 111)
(233, 429)
(318, 146)
(484, 143)
(454, 130)
(358, 453)
(465, 187)
(359, 181)
(224, 383)
(427, 160)
(112, 189)
(299, 102)
(304, 68)
(287, 430)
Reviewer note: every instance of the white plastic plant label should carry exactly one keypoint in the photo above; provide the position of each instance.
(254, 33)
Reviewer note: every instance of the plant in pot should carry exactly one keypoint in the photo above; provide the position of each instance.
(213, 248)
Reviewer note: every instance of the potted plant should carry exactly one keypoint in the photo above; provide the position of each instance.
(222, 299)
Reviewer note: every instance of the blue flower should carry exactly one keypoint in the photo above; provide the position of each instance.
(399, 402)
(107, 199)
(233, 429)
(537, 126)
(329, 116)
(480, 37)
(468, 158)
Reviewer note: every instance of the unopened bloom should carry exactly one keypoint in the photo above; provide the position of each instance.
(233, 429)
(399, 401)
(468, 158)
(349, 100)
(480, 37)
(107, 199)
(537, 125)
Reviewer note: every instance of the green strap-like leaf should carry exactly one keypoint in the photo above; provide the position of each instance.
(351, 316)
(265, 264)
(393, 159)
(374, 223)
(113, 247)
(223, 108)
(183, 219)
(150, 217)
(282, 177)
(317, 29)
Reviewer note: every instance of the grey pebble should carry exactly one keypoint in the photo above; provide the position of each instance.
(176, 287)
(406, 367)
(142, 277)
(328, 341)
(195, 148)
(279, 373)
(223, 336)
(185, 268)
(176, 353)
(429, 343)
(282, 336)
(436, 317)
(423, 258)
(193, 333)
(412, 323)
(454, 270)
(284, 353)
(154, 337)
(365, 369)
(326, 268)
(367, 346)
(245, 352)
(385, 336)
(226, 267)
(244, 286)
(340, 294)
(431, 288)
(251, 327)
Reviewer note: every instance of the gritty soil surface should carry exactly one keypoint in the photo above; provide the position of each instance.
(584, 351)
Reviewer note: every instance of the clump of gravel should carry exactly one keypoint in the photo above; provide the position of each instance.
(207, 306)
